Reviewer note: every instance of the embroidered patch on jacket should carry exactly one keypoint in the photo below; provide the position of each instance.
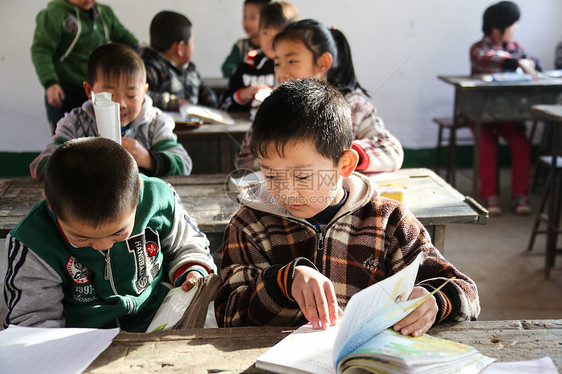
(145, 248)
(70, 25)
(81, 289)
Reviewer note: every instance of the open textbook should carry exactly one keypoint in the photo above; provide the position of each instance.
(364, 341)
(183, 310)
(190, 112)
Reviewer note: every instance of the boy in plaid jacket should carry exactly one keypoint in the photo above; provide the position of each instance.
(315, 233)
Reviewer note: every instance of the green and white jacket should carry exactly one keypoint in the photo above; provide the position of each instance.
(50, 283)
(152, 128)
(64, 38)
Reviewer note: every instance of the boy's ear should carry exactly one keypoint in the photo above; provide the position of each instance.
(348, 162)
(325, 61)
(88, 90)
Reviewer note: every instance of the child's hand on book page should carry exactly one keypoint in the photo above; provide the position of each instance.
(316, 297)
(190, 280)
(139, 153)
(422, 318)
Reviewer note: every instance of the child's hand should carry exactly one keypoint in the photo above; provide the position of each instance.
(141, 155)
(316, 297)
(528, 66)
(55, 95)
(422, 318)
(190, 280)
(248, 93)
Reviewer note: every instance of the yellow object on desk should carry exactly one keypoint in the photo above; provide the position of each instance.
(392, 191)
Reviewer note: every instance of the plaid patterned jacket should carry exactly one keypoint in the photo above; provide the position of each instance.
(378, 148)
(370, 238)
(486, 57)
(167, 83)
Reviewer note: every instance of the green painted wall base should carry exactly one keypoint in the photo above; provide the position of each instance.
(13, 164)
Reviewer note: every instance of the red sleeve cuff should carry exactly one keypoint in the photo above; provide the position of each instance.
(363, 157)
(185, 267)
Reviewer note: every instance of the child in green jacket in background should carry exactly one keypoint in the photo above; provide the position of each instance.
(66, 32)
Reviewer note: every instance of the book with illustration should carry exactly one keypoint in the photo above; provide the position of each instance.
(183, 310)
(364, 341)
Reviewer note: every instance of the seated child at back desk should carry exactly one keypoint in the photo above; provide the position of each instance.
(257, 72)
(172, 77)
(147, 133)
(250, 22)
(96, 251)
(315, 233)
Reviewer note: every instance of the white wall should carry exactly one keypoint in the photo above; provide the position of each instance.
(399, 47)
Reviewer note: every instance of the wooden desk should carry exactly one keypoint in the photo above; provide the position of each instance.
(481, 102)
(213, 146)
(234, 350)
(553, 192)
(434, 202)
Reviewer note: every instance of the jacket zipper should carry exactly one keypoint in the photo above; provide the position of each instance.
(108, 275)
(320, 251)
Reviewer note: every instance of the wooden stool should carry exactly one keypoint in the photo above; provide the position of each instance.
(552, 195)
(448, 124)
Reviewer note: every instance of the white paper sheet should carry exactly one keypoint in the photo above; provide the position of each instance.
(49, 350)
(107, 116)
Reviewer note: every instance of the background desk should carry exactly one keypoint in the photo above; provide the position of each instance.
(234, 350)
(482, 102)
(207, 198)
(213, 146)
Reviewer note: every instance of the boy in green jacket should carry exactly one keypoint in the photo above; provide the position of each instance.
(97, 251)
(315, 233)
(66, 32)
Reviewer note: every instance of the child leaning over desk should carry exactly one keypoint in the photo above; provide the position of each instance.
(147, 133)
(250, 22)
(172, 78)
(315, 233)
(96, 251)
(497, 52)
(66, 32)
(309, 49)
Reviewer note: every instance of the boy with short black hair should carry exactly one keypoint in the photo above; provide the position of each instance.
(172, 77)
(257, 71)
(315, 233)
(96, 251)
(147, 133)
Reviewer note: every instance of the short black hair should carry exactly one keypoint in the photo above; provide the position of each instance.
(168, 27)
(259, 3)
(278, 14)
(115, 61)
(500, 16)
(92, 179)
(303, 109)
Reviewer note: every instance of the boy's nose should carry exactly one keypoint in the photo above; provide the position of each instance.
(102, 244)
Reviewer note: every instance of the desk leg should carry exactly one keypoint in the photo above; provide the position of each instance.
(553, 229)
(225, 154)
(437, 233)
(476, 159)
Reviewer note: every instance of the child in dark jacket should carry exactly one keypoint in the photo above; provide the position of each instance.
(315, 232)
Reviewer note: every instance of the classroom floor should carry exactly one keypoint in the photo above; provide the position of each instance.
(510, 280)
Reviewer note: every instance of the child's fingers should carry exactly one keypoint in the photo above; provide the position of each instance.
(333, 308)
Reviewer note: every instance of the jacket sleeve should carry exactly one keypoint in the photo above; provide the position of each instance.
(46, 38)
(231, 100)
(378, 149)
(457, 300)
(32, 289)
(231, 61)
(118, 32)
(164, 143)
(254, 292)
(66, 130)
(486, 60)
(244, 158)
(186, 248)
(207, 96)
